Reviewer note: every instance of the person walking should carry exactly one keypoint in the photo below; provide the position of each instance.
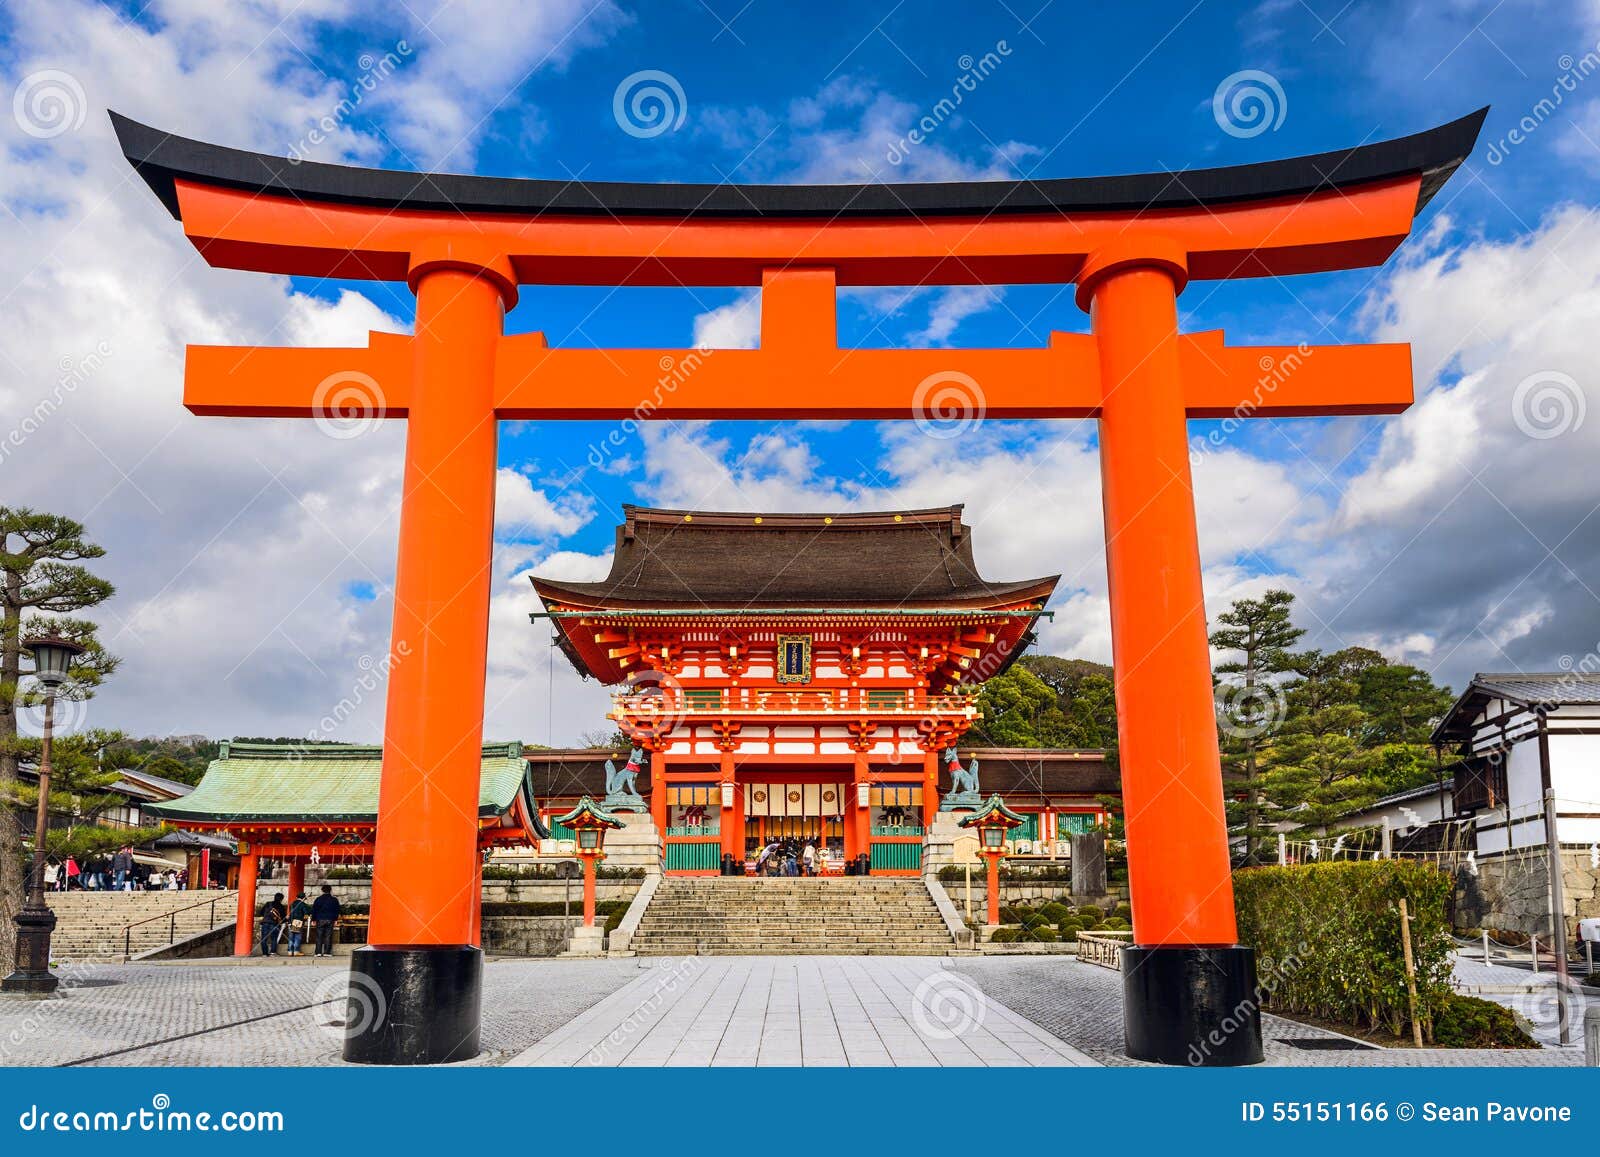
(272, 917)
(52, 873)
(810, 858)
(122, 869)
(324, 913)
(73, 872)
(299, 916)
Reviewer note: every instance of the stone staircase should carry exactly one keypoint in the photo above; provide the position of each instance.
(788, 916)
(89, 925)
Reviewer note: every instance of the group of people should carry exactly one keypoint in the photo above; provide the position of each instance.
(279, 923)
(118, 872)
(787, 858)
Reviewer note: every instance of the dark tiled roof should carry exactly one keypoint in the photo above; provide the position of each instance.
(1019, 771)
(706, 559)
(1544, 689)
(573, 772)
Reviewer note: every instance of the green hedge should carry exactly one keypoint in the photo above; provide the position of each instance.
(549, 907)
(1327, 939)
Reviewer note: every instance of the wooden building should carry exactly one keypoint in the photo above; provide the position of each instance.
(805, 677)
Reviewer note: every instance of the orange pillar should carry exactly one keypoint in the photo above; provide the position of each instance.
(475, 932)
(425, 862)
(1181, 890)
(421, 957)
(857, 819)
(729, 819)
(994, 889)
(658, 792)
(930, 788)
(244, 927)
(588, 891)
(297, 879)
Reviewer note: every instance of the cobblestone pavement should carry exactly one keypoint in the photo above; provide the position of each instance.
(1082, 1004)
(804, 1010)
(655, 1011)
(259, 1013)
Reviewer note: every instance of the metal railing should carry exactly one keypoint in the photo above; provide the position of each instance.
(172, 922)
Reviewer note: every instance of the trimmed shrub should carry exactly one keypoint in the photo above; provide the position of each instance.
(1003, 936)
(1055, 913)
(1327, 939)
(1091, 912)
(1042, 934)
(1037, 920)
(1123, 912)
(1068, 930)
(1010, 915)
(1470, 1022)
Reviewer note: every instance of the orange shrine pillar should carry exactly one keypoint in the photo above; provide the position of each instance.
(1185, 973)
(297, 880)
(658, 792)
(930, 788)
(421, 955)
(244, 927)
(729, 821)
(857, 819)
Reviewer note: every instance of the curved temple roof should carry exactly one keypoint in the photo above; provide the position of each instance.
(703, 559)
(162, 158)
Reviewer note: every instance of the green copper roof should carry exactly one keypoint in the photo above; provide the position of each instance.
(994, 807)
(273, 782)
(587, 807)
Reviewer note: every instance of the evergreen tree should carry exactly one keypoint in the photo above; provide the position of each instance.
(42, 580)
(1259, 631)
(1320, 766)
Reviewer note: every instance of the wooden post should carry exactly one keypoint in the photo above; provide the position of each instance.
(1558, 905)
(1486, 946)
(1388, 839)
(1411, 974)
(588, 891)
(1283, 850)
(994, 889)
(1533, 951)
(969, 892)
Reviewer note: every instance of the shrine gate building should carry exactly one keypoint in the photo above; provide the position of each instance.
(805, 677)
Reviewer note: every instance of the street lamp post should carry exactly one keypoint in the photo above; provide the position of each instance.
(992, 821)
(589, 823)
(31, 975)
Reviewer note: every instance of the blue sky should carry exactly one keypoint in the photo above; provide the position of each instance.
(261, 553)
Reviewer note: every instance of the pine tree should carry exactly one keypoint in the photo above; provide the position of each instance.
(41, 580)
(1260, 631)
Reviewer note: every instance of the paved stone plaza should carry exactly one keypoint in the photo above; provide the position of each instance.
(694, 1011)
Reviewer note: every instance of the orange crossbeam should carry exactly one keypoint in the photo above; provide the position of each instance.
(1062, 380)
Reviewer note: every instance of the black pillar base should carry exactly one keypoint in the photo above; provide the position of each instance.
(414, 1005)
(32, 975)
(1191, 1006)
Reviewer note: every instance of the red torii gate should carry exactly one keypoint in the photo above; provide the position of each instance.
(464, 244)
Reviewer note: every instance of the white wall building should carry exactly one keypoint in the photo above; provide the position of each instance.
(1522, 734)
